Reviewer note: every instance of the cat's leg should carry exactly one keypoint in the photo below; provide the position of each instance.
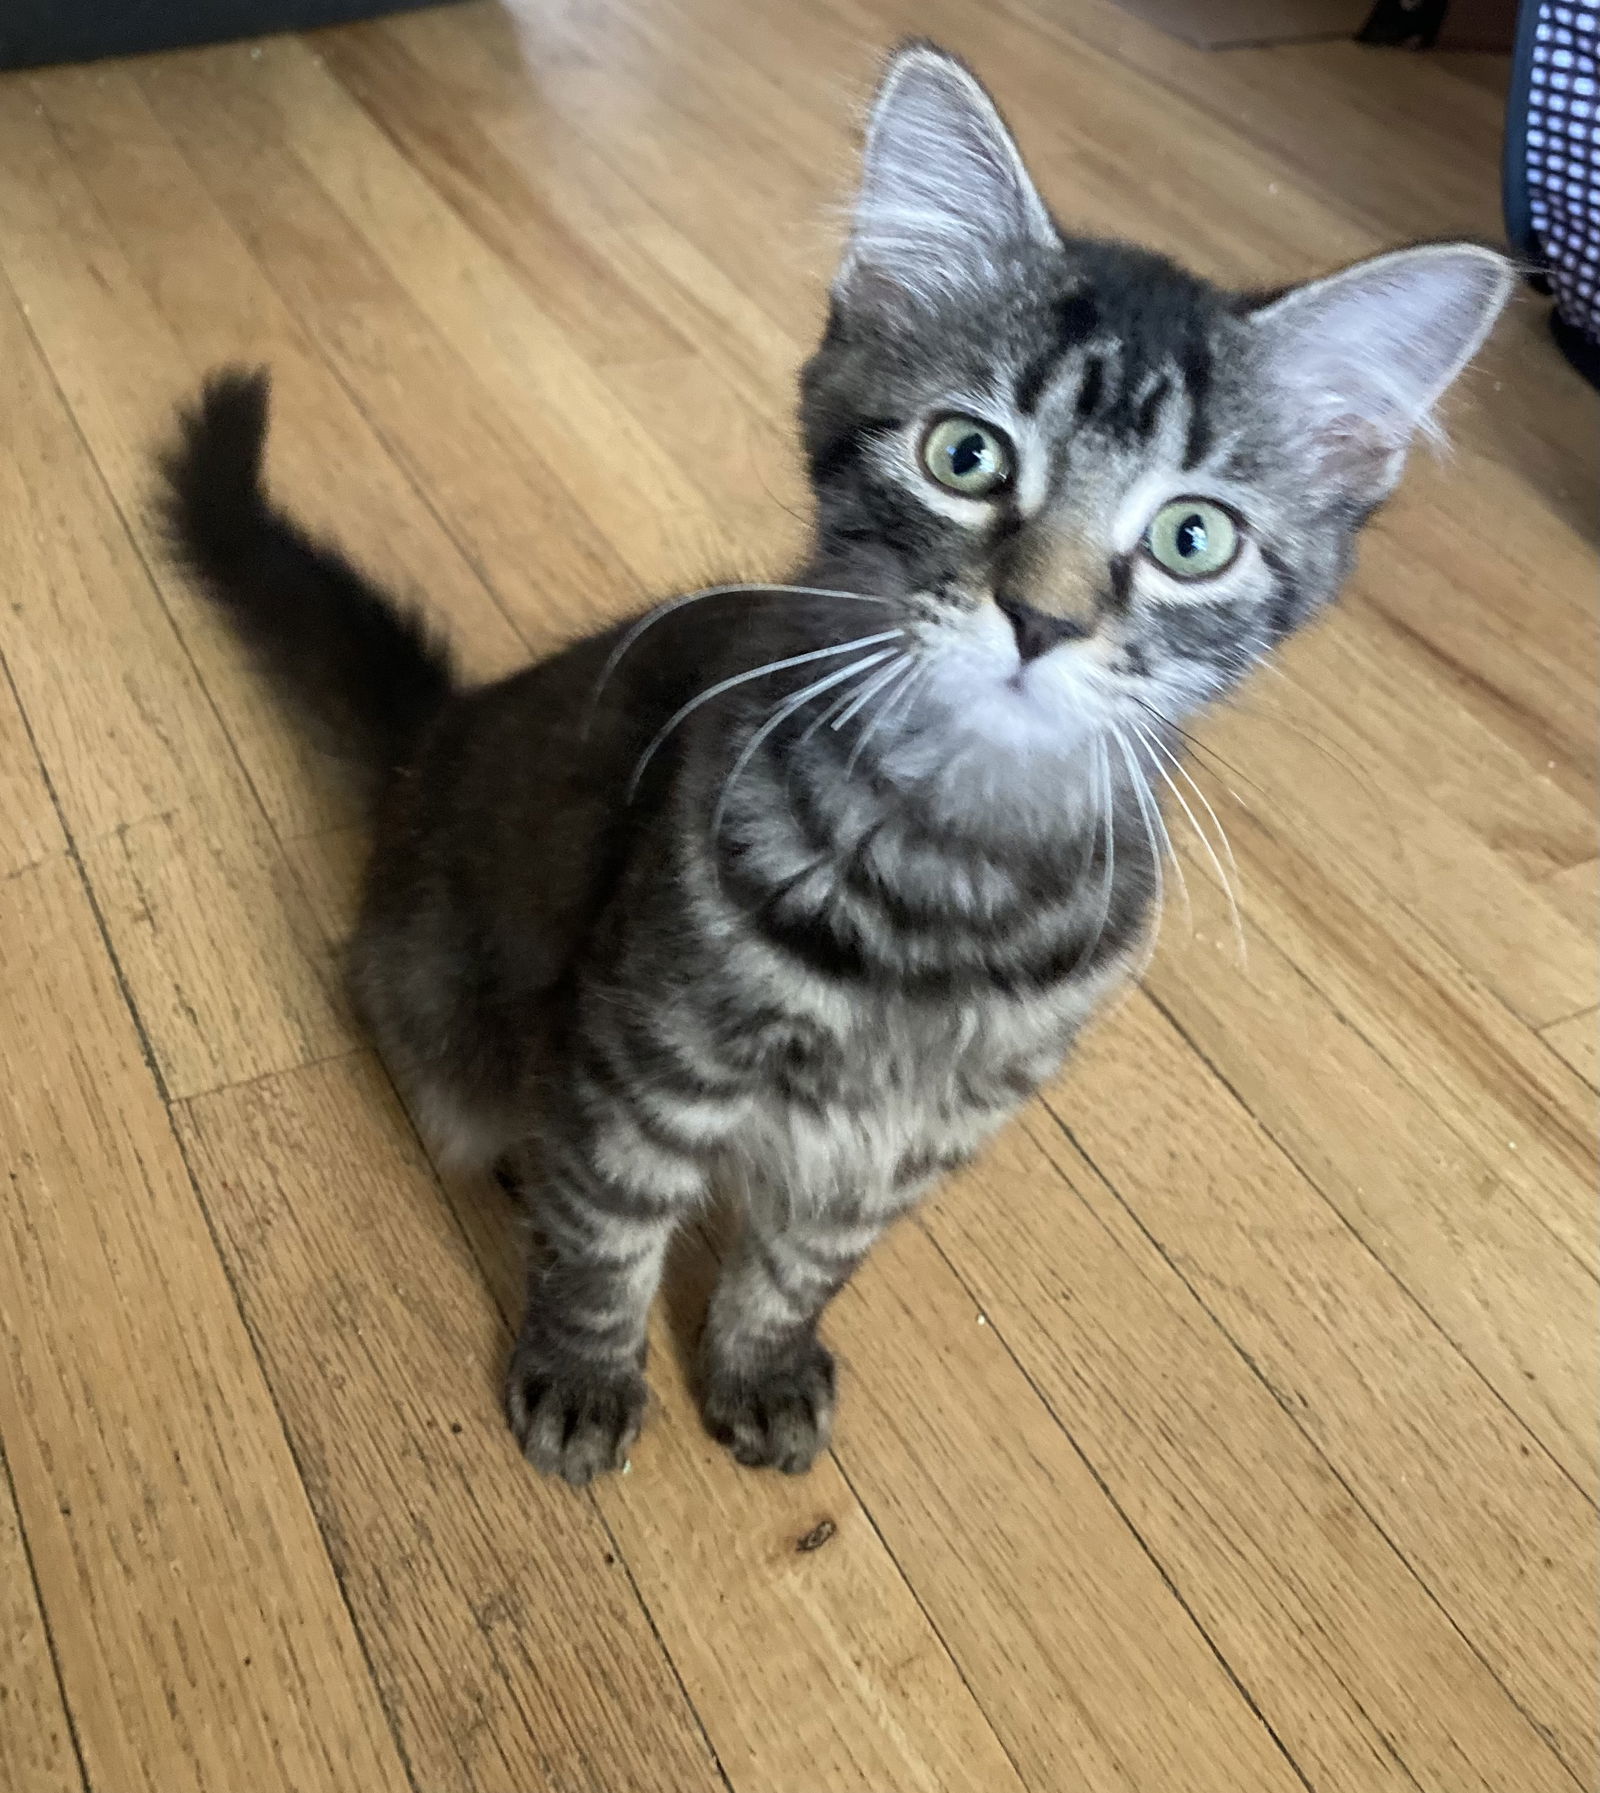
(766, 1379)
(604, 1201)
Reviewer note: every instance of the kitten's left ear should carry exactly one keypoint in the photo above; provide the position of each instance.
(943, 189)
(1364, 355)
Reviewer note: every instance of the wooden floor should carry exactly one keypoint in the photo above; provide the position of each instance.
(1232, 1428)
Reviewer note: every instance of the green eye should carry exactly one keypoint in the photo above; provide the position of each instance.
(967, 456)
(1192, 539)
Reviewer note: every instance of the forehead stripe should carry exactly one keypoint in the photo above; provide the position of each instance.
(1194, 363)
(1150, 408)
(1075, 318)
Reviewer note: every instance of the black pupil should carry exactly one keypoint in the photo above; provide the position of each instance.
(966, 456)
(1191, 538)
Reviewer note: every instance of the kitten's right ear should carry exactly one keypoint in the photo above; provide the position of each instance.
(943, 189)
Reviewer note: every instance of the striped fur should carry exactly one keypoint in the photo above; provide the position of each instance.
(795, 893)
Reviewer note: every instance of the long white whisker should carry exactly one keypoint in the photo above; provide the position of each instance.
(652, 617)
(1148, 807)
(779, 716)
(854, 699)
(1166, 837)
(891, 698)
(1155, 829)
(1188, 778)
(863, 697)
(1205, 841)
(897, 696)
(684, 711)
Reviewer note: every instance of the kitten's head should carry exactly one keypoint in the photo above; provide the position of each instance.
(1093, 480)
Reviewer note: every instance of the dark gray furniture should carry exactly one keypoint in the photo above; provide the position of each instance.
(33, 32)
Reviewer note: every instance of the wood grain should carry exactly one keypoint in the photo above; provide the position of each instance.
(1577, 1041)
(1344, 1650)
(1576, 892)
(37, 1748)
(502, 504)
(1501, 1536)
(30, 829)
(1485, 1238)
(196, 1616)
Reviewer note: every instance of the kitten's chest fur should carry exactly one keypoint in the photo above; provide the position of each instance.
(840, 999)
(900, 1091)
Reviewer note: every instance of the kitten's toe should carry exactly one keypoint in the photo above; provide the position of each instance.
(575, 1420)
(774, 1415)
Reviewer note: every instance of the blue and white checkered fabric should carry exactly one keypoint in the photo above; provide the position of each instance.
(1562, 153)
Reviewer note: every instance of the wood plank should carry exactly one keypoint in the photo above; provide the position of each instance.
(786, 97)
(116, 711)
(1383, 840)
(623, 481)
(709, 405)
(1576, 893)
(142, 1441)
(189, 878)
(1048, 1588)
(507, 207)
(1509, 1291)
(1380, 692)
(670, 138)
(328, 869)
(122, 373)
(385, 1356)
(30, 828)
(1497, 616)
(1338, 132)
(417, 70)
(1346, 1653)
(1499, 1534)
(37, 1749)
(1577, 1041)
(224, 960)
(1449, 1039)
(831, 1635)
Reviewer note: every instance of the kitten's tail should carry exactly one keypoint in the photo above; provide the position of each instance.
(362, 666)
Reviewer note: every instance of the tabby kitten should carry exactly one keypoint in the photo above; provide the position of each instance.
(798, 891)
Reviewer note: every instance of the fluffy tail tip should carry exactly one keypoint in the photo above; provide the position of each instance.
(213, 471)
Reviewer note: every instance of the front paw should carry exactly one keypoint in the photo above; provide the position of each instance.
(574, 1418)
(772, 1413)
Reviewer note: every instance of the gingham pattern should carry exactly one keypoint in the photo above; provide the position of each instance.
(1563, 154)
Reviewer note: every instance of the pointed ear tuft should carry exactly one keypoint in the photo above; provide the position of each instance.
(943, 189)
(1364, 355)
